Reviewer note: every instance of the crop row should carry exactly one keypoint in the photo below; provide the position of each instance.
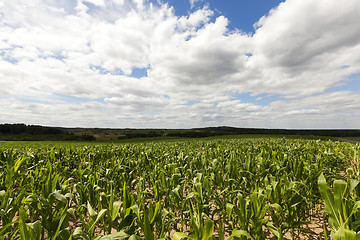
(241, 189)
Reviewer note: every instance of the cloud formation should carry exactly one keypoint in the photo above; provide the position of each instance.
(72, 63)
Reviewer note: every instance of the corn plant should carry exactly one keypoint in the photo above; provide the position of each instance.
(343, 208)
(198, 189)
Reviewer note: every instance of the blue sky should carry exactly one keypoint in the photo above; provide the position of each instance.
(242, 14)
(180, 64)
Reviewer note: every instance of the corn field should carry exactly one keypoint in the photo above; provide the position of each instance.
(255, 188)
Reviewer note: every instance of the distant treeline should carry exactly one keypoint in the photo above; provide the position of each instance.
(308, 132)
(141, 134)
(35, 132)
(180, 133)
(217, 131)
(23, 132)
(21, 128)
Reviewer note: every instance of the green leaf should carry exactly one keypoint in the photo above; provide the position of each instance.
(114, 236)
(330, 208)
(57, 233)
(71, 211)
(2, 193)
(18, 163)
(36, 227)
(134, 237)
(191, 195)
(136, 210)
(208, 230)
(157, 209)
(91, 211)
(239, 234)
(345, 234)
(3, 228)
(149, 234)
(78, 232)
(65, 234)
(179, 236)
(274, 230)
(356, 206)
(221, 230)
(99, 216)
(198, 188)
(69, 195)
(353, 184)
(115, 209)
(339, 189)
(24, 233)
(58, 196)
(229, 208)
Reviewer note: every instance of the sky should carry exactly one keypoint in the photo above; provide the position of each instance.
(180, 63)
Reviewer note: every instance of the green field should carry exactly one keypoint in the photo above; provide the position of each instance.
(226, 187)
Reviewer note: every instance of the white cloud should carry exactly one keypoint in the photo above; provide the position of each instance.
(302, 45)
(195, 65)
(119, 2)
(99, 3)
(192, 2)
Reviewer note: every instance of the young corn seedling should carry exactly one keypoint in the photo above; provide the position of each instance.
(203, 232)
(90, 225)
(342, 208)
